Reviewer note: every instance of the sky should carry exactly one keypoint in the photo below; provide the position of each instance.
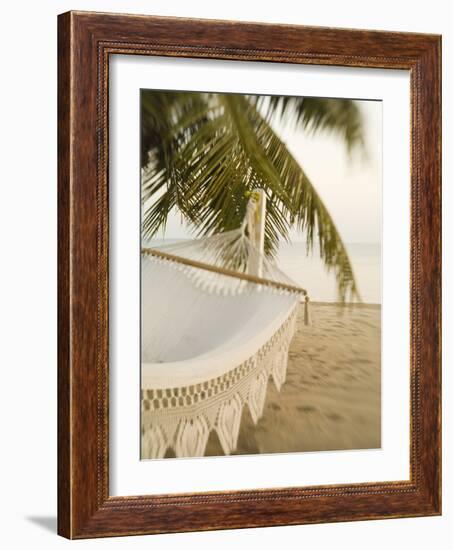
(349, 184)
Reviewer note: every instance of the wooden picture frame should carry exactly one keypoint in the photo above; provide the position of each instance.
(85, 42)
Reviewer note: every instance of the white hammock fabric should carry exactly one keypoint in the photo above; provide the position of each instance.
(212, 336)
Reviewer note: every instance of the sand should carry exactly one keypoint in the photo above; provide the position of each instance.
(332, 394)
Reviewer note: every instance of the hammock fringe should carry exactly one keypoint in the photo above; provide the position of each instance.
(182, 418)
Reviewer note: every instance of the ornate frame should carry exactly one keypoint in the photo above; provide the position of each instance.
(85, 41)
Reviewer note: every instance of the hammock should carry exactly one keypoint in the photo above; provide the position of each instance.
(217, 321)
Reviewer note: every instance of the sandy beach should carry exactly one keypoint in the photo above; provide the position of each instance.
(331, 397)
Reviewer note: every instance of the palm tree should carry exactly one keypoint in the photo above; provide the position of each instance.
(202, 154)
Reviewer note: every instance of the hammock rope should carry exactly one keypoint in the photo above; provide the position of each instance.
(218, 318)
(223, 271)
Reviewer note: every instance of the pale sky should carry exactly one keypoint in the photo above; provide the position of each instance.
(350, 186)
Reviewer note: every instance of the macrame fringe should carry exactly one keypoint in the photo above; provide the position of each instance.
(220, 263)
(183, 418)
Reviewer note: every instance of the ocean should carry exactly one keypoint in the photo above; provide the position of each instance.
(310, 273)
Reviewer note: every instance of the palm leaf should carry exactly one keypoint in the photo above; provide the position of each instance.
(339, 116)
(205, 151)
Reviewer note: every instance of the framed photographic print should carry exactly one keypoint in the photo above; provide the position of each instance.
(249, 275)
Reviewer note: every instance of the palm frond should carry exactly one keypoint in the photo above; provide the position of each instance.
(339, 116)
(202, 153)
(302, 205)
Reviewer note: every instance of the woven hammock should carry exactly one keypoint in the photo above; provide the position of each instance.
(217, 321)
